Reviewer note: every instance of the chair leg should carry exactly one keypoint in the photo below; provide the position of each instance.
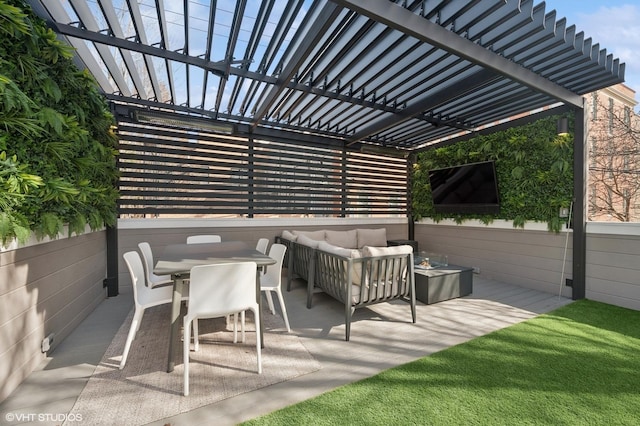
(185, 350)
(242, 314)
(284, 309)
(196, 340)
(135, 325)
(235, 328)
(267, 295)
(138, 325)
(258, 342)
(348, 312)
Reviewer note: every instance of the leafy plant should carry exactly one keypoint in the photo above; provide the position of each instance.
(57, 146)
(533, 167)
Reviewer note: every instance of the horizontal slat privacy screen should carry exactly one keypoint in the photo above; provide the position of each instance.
(171, 172)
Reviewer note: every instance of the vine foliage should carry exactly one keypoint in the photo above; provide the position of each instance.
(57, 144)
(533, 167)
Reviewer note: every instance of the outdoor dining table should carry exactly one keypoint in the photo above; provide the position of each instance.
(178, 259)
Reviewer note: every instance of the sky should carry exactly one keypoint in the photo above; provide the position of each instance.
(614, 24)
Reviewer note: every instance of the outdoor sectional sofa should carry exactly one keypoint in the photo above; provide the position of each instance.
(355, 267)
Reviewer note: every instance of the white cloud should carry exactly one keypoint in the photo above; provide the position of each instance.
(617, 29)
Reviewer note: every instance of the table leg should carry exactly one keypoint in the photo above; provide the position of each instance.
(259, 300)
(178, 285)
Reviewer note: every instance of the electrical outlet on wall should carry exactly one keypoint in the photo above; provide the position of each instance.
(46, 343)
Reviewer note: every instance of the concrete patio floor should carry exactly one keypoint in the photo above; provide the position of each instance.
(381, 337)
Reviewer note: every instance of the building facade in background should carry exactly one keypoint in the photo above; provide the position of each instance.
(613, 136)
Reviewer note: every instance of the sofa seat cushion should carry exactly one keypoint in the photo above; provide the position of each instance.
(346, 239)
(365, 293)
(372, 237)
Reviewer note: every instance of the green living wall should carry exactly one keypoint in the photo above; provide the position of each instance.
(533, 167)
(57, 145)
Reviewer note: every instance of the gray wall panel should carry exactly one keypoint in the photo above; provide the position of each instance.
(613, 268)
(534, 259)
(527, 258)
(45, 288)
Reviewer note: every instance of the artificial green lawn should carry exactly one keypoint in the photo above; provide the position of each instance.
(577, 365)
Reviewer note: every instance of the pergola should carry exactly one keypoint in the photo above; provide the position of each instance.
(392, 77)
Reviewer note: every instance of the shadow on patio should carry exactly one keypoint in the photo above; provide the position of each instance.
(382, 337)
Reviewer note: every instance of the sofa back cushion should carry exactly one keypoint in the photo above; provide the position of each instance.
(346, 239)
(368, 251)
(372, 237)
(314, 235)
(288, 236)
(345, 252)
(307, 241)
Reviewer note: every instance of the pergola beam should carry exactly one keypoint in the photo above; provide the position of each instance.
(217, 67)
(464, 86)
(320, 24)
(401, 19)
(89, 21)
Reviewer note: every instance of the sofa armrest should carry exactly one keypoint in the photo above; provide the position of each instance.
(382, 278)
(360, 281)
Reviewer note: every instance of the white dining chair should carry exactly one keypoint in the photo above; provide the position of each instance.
(218, 290)
(143, 296)
(196, 239)
(262, 245)
(153, 280)
(271, 280)
(199, 239)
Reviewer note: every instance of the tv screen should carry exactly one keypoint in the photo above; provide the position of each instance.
(465, 189)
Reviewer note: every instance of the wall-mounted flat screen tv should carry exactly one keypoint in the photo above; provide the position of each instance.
(465, 189)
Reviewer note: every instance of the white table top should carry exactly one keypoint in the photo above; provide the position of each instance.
(180, 258)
